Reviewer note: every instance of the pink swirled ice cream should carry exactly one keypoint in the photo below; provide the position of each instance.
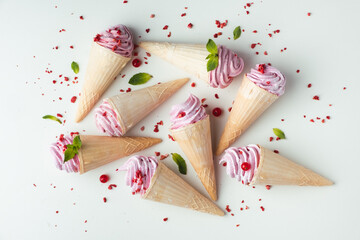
(242, 162)
(139, 171)
(191, 111)
(268, 78)
(57, 150)
(107, 120)
(118, 39)
(230, 66)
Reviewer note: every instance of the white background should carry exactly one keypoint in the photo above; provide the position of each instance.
(323, 46)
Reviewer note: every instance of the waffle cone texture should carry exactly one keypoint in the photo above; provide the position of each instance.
(167, 187)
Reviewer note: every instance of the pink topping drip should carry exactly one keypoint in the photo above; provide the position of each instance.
(235, 159)
(118, 39)
(107, 121)
(230, 66)
(139, 171)
(187, 113)
(268, 78)
(57, 150)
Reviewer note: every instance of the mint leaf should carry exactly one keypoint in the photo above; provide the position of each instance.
(72, 149)
(52, 118)
(140, 78)
(279, 133)
(212, 63)
(180, 162)
(237, 32)
(211, 55)
(75, 67)
(77, 142)
(211, 47)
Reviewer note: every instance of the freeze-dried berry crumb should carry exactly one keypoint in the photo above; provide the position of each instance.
(316, 97)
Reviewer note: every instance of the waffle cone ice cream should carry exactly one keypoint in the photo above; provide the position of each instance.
(97, 151)
(134, 106)
(103, 67)
(251, 101)
(189, 57)
(167, 187)
(195, 141)
(275, 169)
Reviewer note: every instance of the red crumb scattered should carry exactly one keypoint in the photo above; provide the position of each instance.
(193, 84)
(254, 31)
(312, 120)
(323, 121)
(169, 35)
(309, 85)
(152, 15)
(104, 178)
(85, 221)
(242, 201)
(190, 25)
(104, 199)
(224, 164)
(316, 97)
(216, 112)
(237, 225)
(142, 128)
(344, 88)
(328, 117)
(297, 71)
(268, 187)
(247, 12)
(205, 105)
(228, 208)
(59, 115)
(262, 208)
(165, 219)
(216, 96)
(265, 53)
(111, 186)
(183, 14)
(160, 123)
(147, 30)
(276, 151)
(271, 138)
(34, 184)
(232, 214)
(157, 154)
(165, 27)
(125, 1)
(221, 24)
(81, 18)
(309, 14)
(128, 90)
(241, 209)
(57, 211)
(282, 119)
(71, 46)
(156, 128)
(203, 100)
(253, 45)
(171, 138)
(162, 157)
(229, 109)
(136, 63)
(277, 138)
(73, 99)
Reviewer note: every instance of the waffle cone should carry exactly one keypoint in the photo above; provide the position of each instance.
(132, 107)
(278, 170)
(103, 67)
(167, 187)
(195, 141)
(189, 57)
(100, 150)
(251, 101)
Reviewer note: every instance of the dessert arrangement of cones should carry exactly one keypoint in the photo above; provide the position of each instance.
(256, 165)
(190, 128)
(192, 59)
(82, 153)
(116, 115)
(258, 90)
(154, 181)
(110, 52)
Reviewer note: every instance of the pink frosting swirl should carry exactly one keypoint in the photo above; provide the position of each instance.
(139, 171)
(118, 39)
(57, 150)
(268, 78)
(187, 113)
(107, 121)
(230, 66)
(242, 162)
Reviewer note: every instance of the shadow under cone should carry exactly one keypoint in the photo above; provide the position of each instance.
(167, 187)
(97, 151)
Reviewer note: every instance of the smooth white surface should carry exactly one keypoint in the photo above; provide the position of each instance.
(324, 46)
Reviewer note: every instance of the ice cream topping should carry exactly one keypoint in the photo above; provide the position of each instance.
(57, 150)
(186, 113)
(268, 78)
(242, 162)
(107, 121)
(139, 171)
(118, 39)
(230, 66)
